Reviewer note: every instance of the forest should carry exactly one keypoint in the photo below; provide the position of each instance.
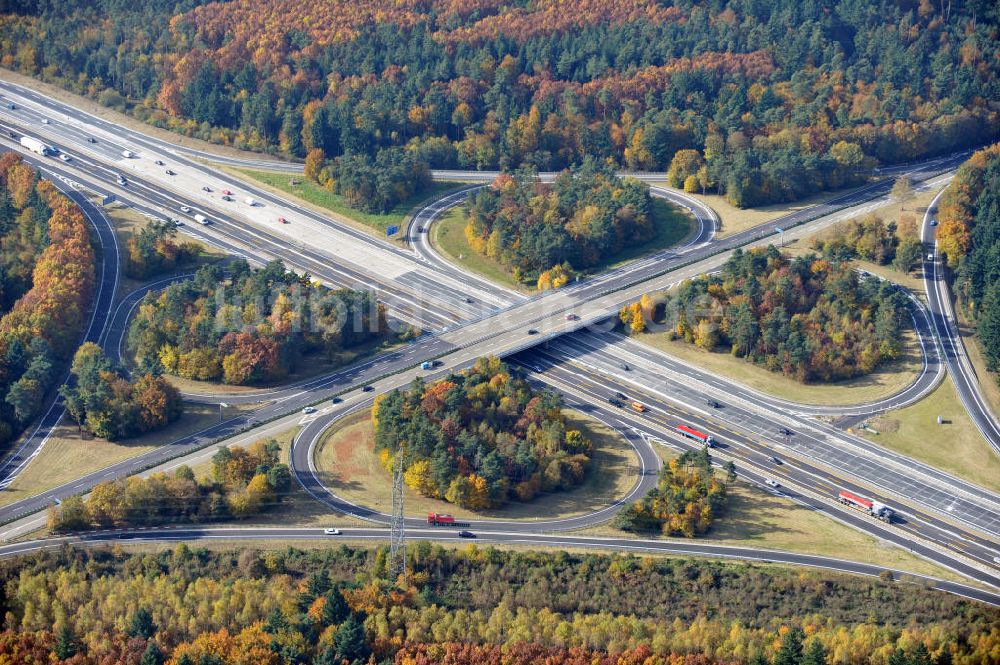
(685, 501)
(480, 438)
(870, 238)
(47, 281)
(243, 326)
(777, 98)
(105, 401)
(538, 231)
(969, 238)
(468, 606)
(371, 185)
(810, 318)
(244, 482)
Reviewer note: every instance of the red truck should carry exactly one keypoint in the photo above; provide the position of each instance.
(437, 519)
(870, 506)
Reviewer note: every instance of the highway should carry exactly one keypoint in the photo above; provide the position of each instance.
(939, 302)
(457, 345)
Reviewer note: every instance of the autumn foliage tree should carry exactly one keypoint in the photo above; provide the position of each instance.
(106, 403)
(543, 232)
(480, 438)
(47, 264)
(243, 326)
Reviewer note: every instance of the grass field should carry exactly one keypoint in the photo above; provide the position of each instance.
(672, 225)
(885, 381)
(733, 219)
(311, 193)
(348, 464)
(70, 454)
(758, 518)
(955, 446)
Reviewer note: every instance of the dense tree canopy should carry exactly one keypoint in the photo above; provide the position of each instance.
(535, 229)
(810, 318)
(154, 249)
(776, 98)
(969, 237)
(374, 185)
(244, 326)
(46, 285)
(108, 404)
(480, 438)
(685, 501)
(469, 606)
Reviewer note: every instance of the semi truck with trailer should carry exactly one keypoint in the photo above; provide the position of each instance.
(36, 146)
(437, 519)
(870, 506)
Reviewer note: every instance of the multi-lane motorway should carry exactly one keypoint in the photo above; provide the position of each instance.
(474, 328)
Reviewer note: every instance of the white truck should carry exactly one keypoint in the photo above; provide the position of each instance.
(201, 219)
(34, 145)
(128, 154)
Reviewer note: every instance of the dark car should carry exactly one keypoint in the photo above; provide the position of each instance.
(91, 139)
(715, 405)
(466, 534)
(532, 331)
(620, 395)
(335, 400)
(169, 172)
(616, 402)
(206, 188)
(367, 389)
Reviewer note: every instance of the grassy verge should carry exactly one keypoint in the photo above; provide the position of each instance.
(734, 220)
(311, 193)
(885, 381)
(671, 223)
(348, 464)
(70, 454)
(758, 518)
(955, 446)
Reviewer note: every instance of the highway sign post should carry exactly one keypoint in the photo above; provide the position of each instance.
(781, 243)
(391, 231)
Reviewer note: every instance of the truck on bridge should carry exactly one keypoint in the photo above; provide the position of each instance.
(34, 145)
(870, 506)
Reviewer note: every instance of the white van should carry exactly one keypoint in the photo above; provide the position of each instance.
(250, 201)
(128, 154)
(201, 219)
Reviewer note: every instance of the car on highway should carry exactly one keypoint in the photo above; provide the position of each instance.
(623, 366)
(620, 395)
(169, 172)
(91, 139)
(466, 534)
(227, 192)
(367, 389)
(121, 180)
(776, 460)
(786, 432)
(206, 188)
(159, 162)
(771, 482)
(13, 135)
(933, 222)
(12, 106)
(714, 404)
(282, 220)
(930, 257)
(572, 317)
(616, 402)
(46, 121)
(532, 331)
(331, 532)
(309, 409)
(469, 300)
(420, 229)
(335, 400)
(185, 209)
(64, 157)
(227, 197)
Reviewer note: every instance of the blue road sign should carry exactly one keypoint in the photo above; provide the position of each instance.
(391, 231)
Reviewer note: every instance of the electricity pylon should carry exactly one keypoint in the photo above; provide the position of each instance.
(397, 529)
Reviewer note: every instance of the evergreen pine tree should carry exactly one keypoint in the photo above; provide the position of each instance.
(790, 651)
(142, 624)
(349, 642)
(152, 655)
(65, 646)
(815, 654)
